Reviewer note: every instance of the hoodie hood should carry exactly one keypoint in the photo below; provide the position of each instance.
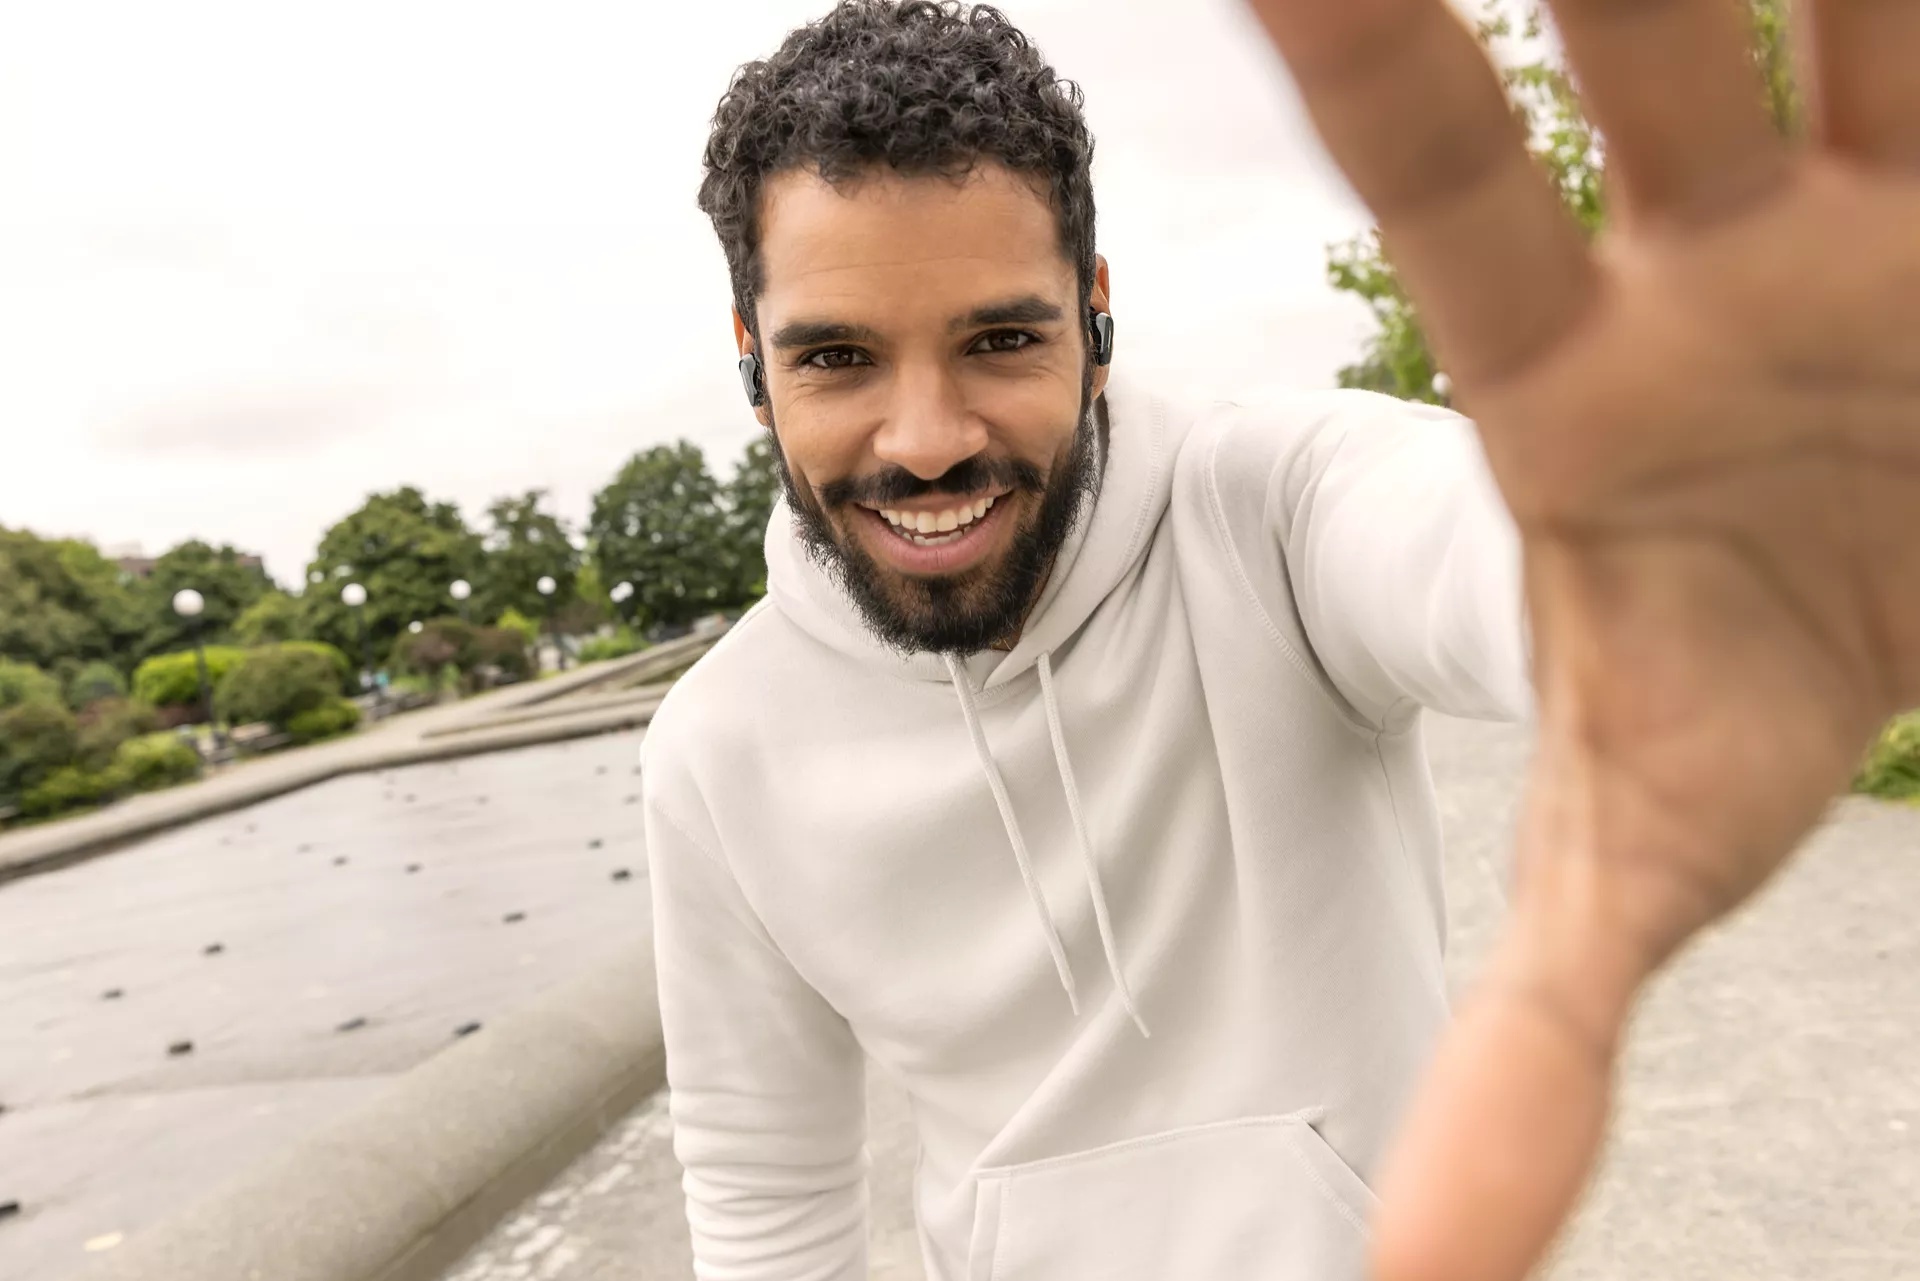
(1111, 535)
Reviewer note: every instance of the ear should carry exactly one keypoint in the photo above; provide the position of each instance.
(1101, 299)
(743, 343)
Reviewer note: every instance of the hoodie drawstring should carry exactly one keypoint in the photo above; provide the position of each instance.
(1072, 789)
(964, 688)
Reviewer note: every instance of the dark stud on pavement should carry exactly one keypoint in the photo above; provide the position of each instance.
(250, 829)
(595, 843)
(8, 1209)
(600, 769)
(113, 994)
(351, 1025)
(622, 874)
(409, 798)
(632, 799)
(467, 1029)
(303, 849)
(339, 860)
(412, 868)
(214, 949)
(514, 918)
(484, 799)
(180, 1047)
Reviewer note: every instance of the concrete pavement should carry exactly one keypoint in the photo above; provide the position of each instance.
(279, 945)
(319, 923)
(1769, 1122)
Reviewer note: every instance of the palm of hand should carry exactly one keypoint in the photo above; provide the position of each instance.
(1717, 479)
(1708, 431)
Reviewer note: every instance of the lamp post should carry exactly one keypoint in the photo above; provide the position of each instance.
(354, 597)
(460, 590)
(189, 604)
(547, 587)
(620, 595)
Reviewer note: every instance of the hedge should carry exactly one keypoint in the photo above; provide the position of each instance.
(155, 760)
(173, 680)
(275, 684)
(325, 721)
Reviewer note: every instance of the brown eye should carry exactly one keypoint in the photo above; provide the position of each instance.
(831, 358)
(1001, 341)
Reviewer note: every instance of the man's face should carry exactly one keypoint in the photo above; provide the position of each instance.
(929, 383)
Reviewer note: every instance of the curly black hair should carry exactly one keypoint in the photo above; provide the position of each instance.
(922, 86)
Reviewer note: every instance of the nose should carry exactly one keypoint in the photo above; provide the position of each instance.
(929, 428)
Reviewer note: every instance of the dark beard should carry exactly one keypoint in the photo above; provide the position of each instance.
(960, 613)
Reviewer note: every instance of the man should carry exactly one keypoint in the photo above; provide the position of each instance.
(1072, 770)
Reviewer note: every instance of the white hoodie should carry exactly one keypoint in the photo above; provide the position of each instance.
(1193, 801)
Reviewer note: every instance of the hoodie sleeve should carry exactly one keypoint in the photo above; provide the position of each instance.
(1404, 562)
(766, 1080)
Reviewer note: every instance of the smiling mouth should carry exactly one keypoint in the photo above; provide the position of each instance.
(936, 529)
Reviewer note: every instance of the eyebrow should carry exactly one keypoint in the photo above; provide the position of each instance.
(1029, 310)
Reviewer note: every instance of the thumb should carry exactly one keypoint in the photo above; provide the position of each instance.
(1504, 1130)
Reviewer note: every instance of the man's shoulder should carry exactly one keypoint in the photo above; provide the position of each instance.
(1241, 441)
(720, 693)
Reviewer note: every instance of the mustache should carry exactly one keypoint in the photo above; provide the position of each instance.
(897, 484)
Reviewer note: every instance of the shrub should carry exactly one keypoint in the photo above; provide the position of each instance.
(618, 645)
(325, 721)
(107, 724)
(155, 760)
(70, 788)
(1892, 767)
(25, 683)
(501, 648)
(515, 621)
(36, 739)
(173, 680)
(349, 675)
(275, 685)
(94, 682)
(438, 643)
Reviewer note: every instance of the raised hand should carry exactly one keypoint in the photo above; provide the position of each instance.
(1708, 429)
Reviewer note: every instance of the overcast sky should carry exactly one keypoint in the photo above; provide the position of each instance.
(260, 260)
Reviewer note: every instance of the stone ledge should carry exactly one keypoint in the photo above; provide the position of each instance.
(402, 1188)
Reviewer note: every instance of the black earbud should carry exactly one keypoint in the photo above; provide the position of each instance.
(754, 379)
(1100, 325)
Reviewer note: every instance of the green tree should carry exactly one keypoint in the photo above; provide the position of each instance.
(25, 683)
(660, 525)
(524, 543)
(272, 620)
(227, 586)
(1396, 359)
(63, 604)
(750, 496)
(406, 552)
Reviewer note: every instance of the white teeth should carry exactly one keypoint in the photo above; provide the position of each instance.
(919, 525)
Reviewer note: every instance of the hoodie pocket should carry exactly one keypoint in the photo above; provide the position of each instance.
(1261, 1198)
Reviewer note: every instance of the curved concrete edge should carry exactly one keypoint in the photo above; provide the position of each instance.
(402, 1188)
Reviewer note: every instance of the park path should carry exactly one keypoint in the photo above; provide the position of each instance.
(1769, 1123)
